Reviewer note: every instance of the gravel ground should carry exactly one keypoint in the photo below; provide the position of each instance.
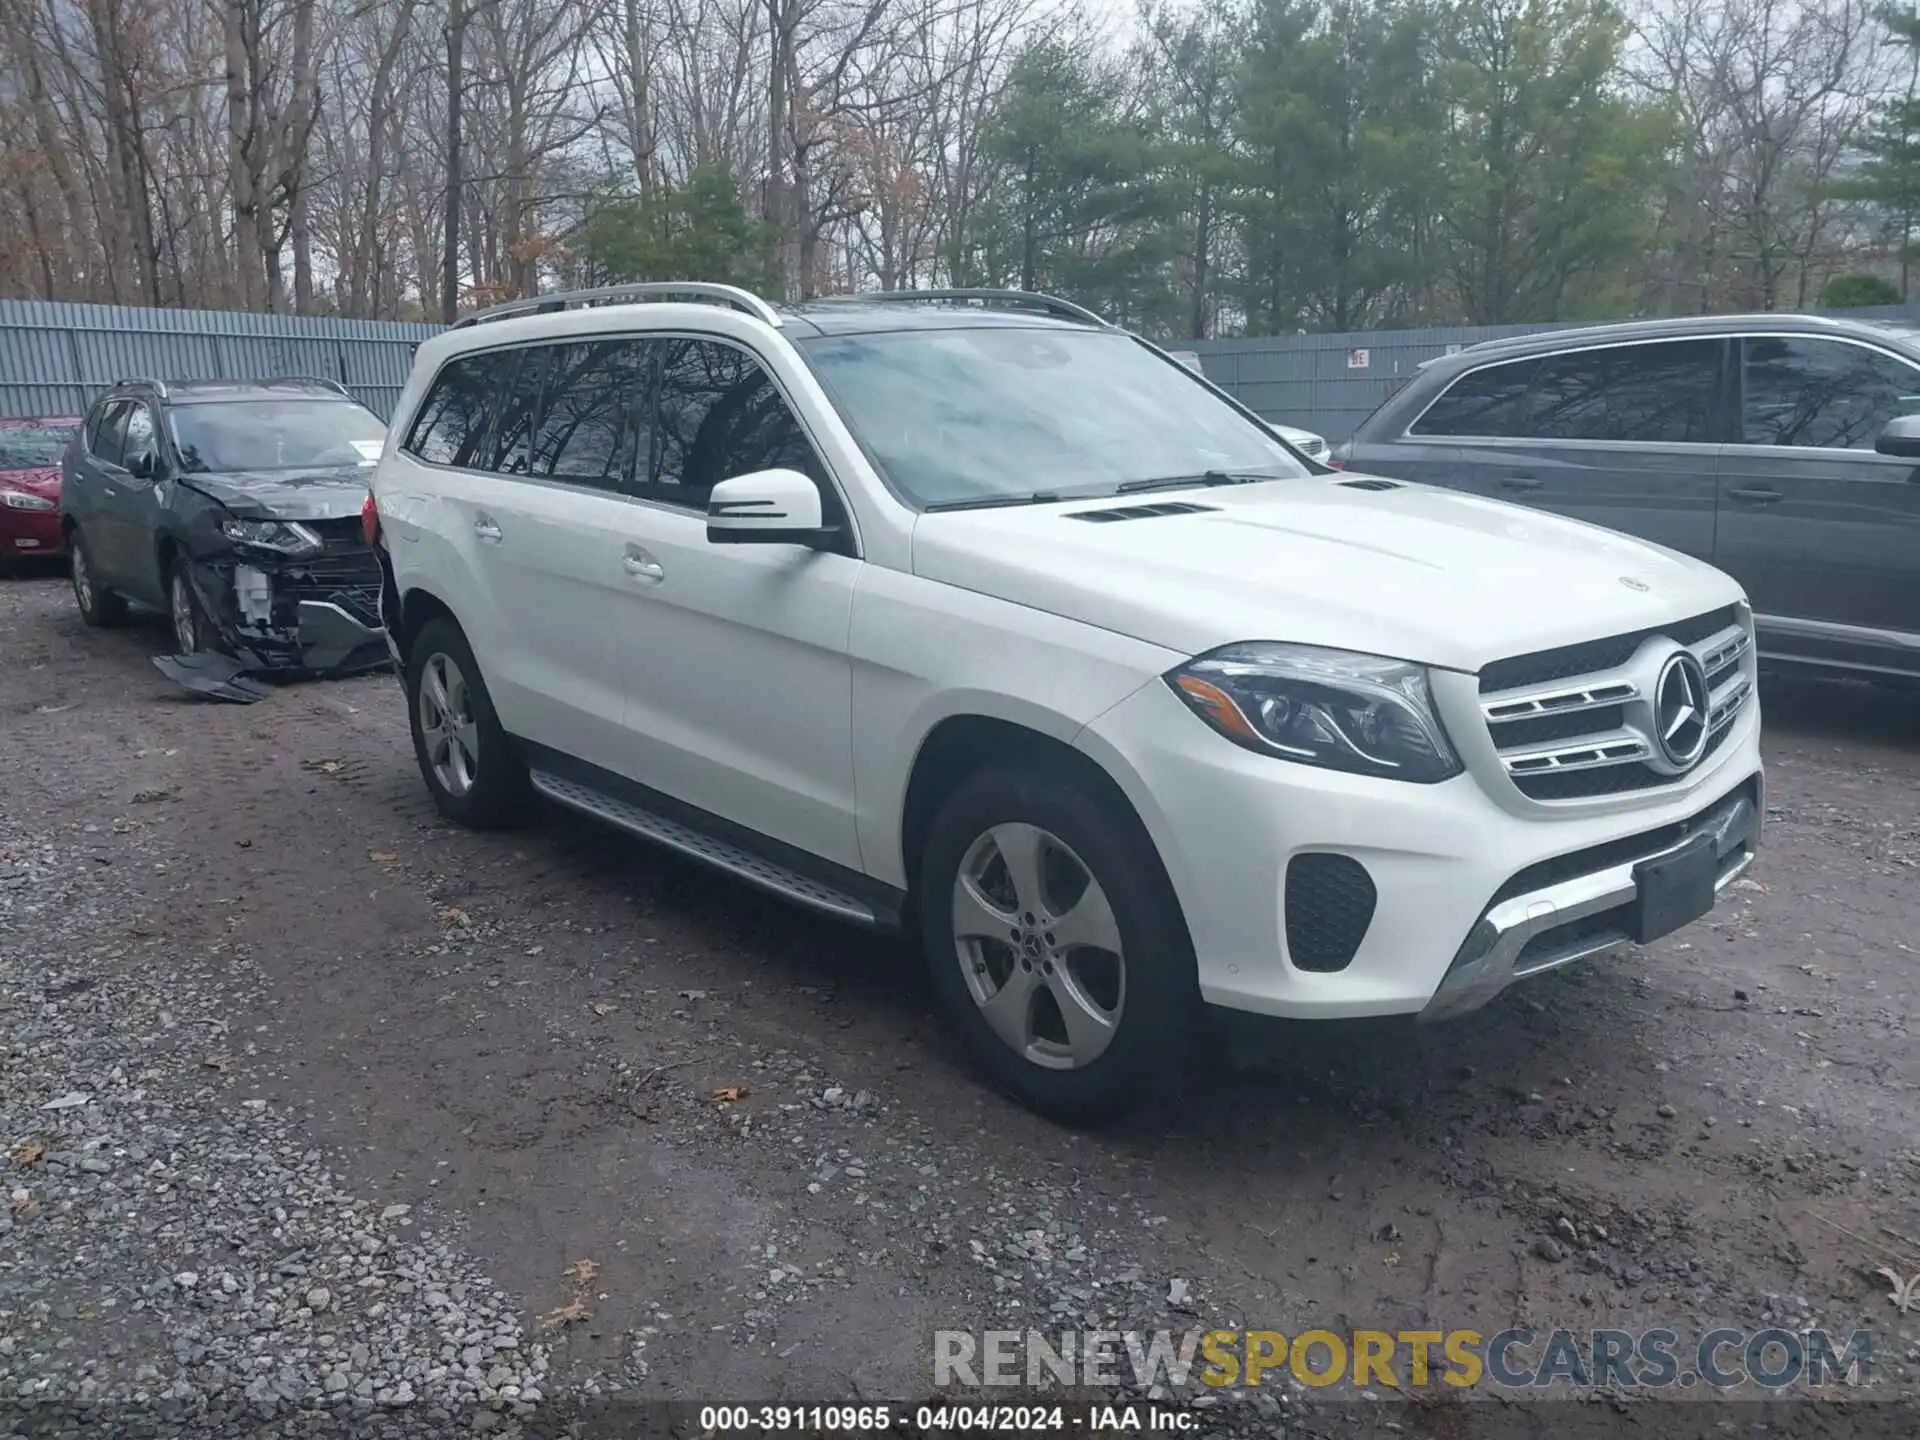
(315, 1106)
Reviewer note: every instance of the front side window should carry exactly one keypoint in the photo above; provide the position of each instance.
(32, 444)
(719, 415)
(1483, 403)
(996, 414)
(139, 443)
(228, 436)
(1802, 390)
(456, 418)
(1660, 393)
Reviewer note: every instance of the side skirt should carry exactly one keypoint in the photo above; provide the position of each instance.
(792, 874)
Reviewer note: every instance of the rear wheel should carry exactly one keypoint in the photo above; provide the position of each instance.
(98, 607)
(466, 759)
(1056, 945)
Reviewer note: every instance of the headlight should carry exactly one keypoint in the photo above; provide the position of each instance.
(281, 535)
(1334, 708)
(20, 500)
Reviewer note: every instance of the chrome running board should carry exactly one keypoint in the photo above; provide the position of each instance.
(721, 854)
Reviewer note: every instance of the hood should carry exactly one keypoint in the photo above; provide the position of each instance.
(1412, 572)
(334, 494)
(44, 482)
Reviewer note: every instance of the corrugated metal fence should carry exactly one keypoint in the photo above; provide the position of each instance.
(54, 358)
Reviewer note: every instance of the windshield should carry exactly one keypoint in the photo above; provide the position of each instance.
(36, 445)
(234, 435)
(979, 416)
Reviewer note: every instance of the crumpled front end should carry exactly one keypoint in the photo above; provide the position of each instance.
(311, 613)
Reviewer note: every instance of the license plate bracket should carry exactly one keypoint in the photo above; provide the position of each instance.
(1673, 890)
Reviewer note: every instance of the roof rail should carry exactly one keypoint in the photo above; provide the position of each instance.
(159, 386)
(1051, 304)
(321, 380)
(743, 300)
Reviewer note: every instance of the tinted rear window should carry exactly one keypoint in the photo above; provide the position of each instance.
(1482, 402)
(457, 416)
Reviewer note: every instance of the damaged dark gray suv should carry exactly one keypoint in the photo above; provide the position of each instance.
(234, 508)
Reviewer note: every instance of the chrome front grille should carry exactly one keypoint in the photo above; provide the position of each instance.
(1568, 728)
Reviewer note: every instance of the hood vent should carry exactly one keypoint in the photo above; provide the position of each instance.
(1140, 512)
(1372, 484)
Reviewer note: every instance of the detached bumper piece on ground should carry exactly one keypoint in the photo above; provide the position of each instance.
(311, 618)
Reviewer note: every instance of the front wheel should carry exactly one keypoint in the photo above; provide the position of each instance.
(469, 764)
(1056, 945)
(193, 634)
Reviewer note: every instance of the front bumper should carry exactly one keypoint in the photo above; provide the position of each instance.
(285, 618)
(1587, 912)
(27, 534)
(1450, 868)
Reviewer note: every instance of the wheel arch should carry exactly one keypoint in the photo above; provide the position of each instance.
(962, 745)
(418, 605)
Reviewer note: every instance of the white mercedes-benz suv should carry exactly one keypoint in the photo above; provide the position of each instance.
(966, 614)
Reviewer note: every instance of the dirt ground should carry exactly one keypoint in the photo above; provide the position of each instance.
(522, 1036)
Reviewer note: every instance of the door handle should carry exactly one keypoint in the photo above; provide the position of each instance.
(484, 527)
(1519, 482)
(1754, 495)
(642, 566)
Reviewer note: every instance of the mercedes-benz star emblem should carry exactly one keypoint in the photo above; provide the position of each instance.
(1680, 704)
(1633, 584)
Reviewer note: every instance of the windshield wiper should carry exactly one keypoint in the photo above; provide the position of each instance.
(990, 502)
(1183, 482)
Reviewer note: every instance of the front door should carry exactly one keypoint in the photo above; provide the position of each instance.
(1822, 532)
(739, 687)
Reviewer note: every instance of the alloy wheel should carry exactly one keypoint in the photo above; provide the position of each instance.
(186, 625)
(1038, 946)
(447, 727)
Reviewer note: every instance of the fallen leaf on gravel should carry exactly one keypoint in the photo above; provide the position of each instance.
(29, 1153)
(383, 857)
(20, 1202)
(727, 1094)
(571, 1313)
(602, 1007)
(582, 1272)
(1906, 1292)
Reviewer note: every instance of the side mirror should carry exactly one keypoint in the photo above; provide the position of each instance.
(141, 466)
(768, 507)
(1901, 437)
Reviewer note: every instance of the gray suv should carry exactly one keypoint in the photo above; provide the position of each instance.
(1784, 449)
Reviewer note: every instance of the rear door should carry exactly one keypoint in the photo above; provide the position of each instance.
(535, 514)
(1626, 436)
(1823, 532)
(96, 471)
(126, 533)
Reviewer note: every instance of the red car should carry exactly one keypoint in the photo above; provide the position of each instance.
(30, 453)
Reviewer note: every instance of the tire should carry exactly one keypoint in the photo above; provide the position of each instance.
(193, 633)
(470, 766)
(99, 608)
(1134, 1020)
